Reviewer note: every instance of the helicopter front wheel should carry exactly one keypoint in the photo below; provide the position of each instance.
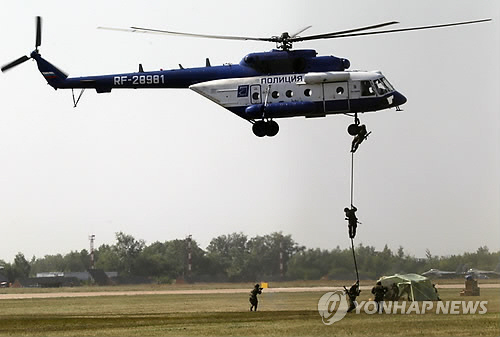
(265, 128)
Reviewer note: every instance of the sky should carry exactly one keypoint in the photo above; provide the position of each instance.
(162, 164)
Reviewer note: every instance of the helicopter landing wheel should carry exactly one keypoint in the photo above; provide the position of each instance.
(259, 128)
(353, 129)
(272, 128)
(265, 128)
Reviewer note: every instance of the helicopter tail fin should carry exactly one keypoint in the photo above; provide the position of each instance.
(54, 76)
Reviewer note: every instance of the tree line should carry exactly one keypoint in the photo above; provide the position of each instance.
(237, 258)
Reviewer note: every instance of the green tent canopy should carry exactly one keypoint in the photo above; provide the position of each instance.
(413, 286)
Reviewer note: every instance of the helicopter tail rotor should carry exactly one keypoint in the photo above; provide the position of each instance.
(17, 62)
(24, 58)
(38, 41)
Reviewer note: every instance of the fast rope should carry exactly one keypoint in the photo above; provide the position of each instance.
(352, 177)
(352, 197)
(354, 257)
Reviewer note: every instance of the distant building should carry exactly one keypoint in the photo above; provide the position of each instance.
(81, 275)
(66, 279)
(46, 282)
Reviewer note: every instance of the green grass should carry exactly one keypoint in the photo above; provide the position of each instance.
(281, 314)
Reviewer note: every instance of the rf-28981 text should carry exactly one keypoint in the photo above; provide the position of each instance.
(139, 79)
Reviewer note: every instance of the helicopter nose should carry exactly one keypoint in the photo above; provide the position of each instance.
(399, 99)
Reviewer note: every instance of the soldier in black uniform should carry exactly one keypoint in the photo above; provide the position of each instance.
(257, 290)
(350, 216)
(352, 293)
(359, 138)
(379, 291)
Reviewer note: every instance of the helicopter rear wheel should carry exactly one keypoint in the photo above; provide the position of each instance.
(272, 128)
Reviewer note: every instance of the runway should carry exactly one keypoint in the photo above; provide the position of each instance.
(199, 292)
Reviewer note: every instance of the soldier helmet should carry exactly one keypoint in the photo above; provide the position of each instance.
(257, 285)
(346, 209)
(379, 283)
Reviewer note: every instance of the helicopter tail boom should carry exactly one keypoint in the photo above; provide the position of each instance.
(54, 76)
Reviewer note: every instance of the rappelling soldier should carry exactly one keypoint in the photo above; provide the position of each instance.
(257, 290)
(359, 138)
(352, 293)
(352, 220)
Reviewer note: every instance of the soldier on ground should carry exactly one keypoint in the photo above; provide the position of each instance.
(435, 289)
(379, 291)
(394, 292)
(257, 290)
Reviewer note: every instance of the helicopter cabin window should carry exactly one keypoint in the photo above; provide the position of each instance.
(367, 89)
(255, 96)
(340, 90)
(275, 94)
(308, 92)
(289, 93)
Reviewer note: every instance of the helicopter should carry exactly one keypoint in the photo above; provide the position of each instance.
(263, 86)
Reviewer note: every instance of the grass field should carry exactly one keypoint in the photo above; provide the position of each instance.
(280, 314)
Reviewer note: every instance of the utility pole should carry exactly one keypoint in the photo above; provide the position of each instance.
(189, 251)
(281, 259)
(92, 238)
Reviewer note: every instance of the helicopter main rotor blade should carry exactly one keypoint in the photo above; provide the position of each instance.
(329, 35)
(166, 32)
(293, 38)
(17, 62)
(38, 32)
(300, 31)
(285, 41)
(402, 29)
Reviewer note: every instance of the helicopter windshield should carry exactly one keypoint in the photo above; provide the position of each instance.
(383, 86)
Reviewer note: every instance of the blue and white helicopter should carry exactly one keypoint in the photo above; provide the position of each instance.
(264, 86)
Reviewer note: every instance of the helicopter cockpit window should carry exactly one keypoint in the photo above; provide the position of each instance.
(367, 89)
(387, 84)
(382, 87)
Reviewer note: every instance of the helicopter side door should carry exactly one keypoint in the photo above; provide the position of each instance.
(336, 97)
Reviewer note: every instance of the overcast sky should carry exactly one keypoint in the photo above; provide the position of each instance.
(162, 164)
